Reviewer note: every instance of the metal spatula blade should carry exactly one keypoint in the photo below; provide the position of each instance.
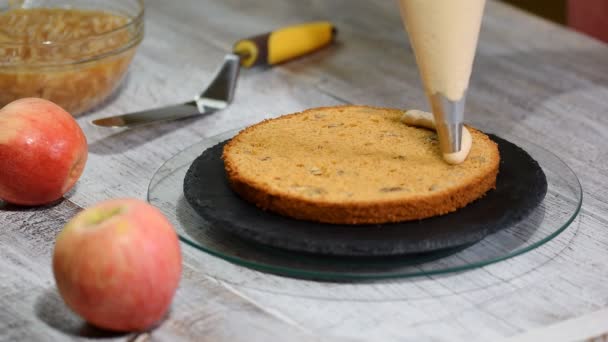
(267, 49)
(217, 96)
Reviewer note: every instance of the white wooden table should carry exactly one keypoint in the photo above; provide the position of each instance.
(532, 79)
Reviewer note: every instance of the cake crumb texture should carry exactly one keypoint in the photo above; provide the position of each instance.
(354, 165)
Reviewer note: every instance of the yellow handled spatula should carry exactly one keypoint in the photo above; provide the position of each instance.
(267, 49)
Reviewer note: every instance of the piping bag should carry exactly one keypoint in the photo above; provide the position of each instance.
(444, 35)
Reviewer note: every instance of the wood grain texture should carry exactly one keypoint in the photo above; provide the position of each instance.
(33, 311)
(532, 79)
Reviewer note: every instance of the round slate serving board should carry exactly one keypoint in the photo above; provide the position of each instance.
(520, 187)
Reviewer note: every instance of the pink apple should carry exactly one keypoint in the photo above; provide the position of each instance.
(43, 152)
(118, 265)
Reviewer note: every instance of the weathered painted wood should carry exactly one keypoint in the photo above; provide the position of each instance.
(33, 311)
(532, 79)
(590, 327)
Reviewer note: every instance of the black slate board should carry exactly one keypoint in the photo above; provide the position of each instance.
(521, 186)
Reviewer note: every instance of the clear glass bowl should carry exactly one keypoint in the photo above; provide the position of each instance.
(75, 59)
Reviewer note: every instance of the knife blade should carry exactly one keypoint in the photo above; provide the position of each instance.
(267, 49)
(217, 96)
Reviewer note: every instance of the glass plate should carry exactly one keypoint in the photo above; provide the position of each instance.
(555, 213)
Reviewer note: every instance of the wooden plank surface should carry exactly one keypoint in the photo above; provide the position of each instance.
(532, 79)
(33, 311)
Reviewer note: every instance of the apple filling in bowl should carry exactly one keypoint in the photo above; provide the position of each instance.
(72, 57)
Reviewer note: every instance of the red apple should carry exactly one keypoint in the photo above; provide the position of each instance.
(118, 264)
(43, 152)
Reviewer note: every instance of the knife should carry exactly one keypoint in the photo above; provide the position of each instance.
(266, 49)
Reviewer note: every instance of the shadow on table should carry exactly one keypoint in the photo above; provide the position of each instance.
(127, 139)
(9, 207)
(50, 309)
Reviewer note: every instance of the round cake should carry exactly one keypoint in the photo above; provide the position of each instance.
(354, 165)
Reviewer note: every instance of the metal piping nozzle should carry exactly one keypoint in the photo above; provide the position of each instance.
(449, 117)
